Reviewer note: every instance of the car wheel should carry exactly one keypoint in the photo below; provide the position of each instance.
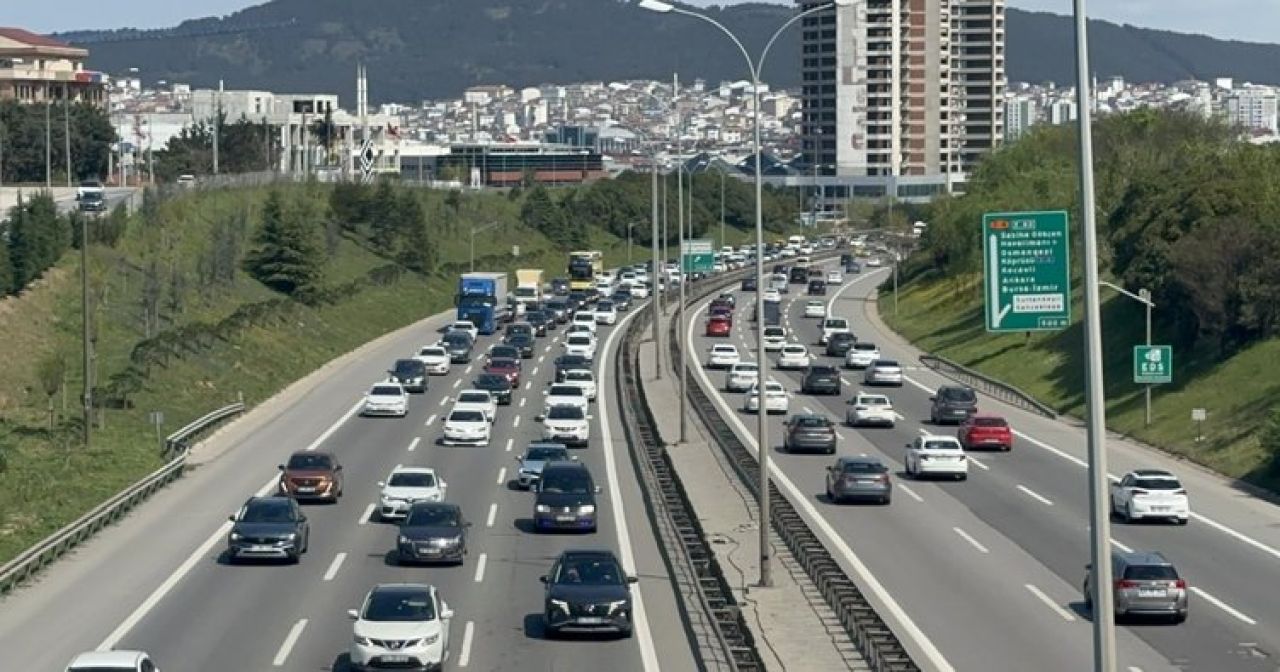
(1181, 617)
(1128, 513)
(884, 501)
(962, 477)
(1182, 521)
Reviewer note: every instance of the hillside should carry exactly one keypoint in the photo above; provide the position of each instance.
(418, 49)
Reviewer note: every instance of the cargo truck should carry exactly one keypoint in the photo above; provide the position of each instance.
(528, 285)
(482, 300)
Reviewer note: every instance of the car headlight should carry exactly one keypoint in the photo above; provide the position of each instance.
(430, 639)
(362, 641)
(404, 540)
(560, 604)
(542, 508)
(587, 508)
(236, 536)
(616, 605)
(292, 536)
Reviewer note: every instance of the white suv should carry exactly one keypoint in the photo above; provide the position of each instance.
(722, 357)
(568, 425)
(583, 378)
(741, 377)
(581, 344)
(586, 318)
(870, 409)
(401, 625)
(406, 485)
(861, 355)
(833, 325)
(774, 338)
(436, 359)
(794, 356)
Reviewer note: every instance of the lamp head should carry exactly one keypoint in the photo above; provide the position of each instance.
(659, 6)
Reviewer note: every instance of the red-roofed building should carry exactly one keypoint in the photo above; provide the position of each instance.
(35, 69)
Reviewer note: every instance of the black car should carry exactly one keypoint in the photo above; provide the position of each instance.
(838, 344)
(569, 363)
(497, 385)
(540, 320)
(798, 275)
(817, 288)
(953, 403)
(853, 268)
(432, 532)
(269, 528)
(410, 373)
(621, 300)
(821, 379)
(748, 284)
(516, 329)
(729, 298)
(781, 268)
(846, 259)
(458, 344)
(558, 308)
(504, 351)
(587, 590)
(578, 299)
(525, 343)
(559, 286)
(566, 498)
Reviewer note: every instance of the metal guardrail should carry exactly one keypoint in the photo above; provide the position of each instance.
(36, 558)
(987, 385)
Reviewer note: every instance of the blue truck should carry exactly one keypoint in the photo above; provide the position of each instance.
(482, 300)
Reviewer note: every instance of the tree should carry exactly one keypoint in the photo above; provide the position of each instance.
(287, 256)
(37, 238)
(22, 135)
(6, 270)
(52, 373)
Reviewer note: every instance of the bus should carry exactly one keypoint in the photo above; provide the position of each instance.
(583, 268)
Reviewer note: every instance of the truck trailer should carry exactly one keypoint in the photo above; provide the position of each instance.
(482, 300)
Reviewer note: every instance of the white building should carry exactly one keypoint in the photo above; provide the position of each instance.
(1019, 116)
(1253, 107)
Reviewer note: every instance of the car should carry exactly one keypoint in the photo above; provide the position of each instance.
(587, 590)
(723, 356)
(748, 285)
(859, 478)
(1144, 583)
(639, 290)
(621, 300)
(833, 325)
(502, 351)
(577, 300)
(465, 326)
(883, 372)
(774, 338)
(1150, 493)
(719, 326)
(432, 532)
(984, 430)
(477, 400)
(585, 317)
(605, 312)
(464, 427)
(565, 363)
(799, 274)
(839, 344)
(410, 373)
(578, 329)
(834, 278)
(406, 486)
(315, 475)
(459, 346)
(821, 379)
(559, 286)
(540, 320)
(809, 432)
(386, 399)
(525, 344)
(565, 497)
(861, 355)
(741, 377)
(874, 262)
(775, 398)
(815, 309)
(772, 295)
(853, 268)
(268, 528)
(581, 344)
(558, 308)
(846, 259)
(723, 311)
(569, 425)
(721, 306)
(498, 386)
(536, 456)
(523, 327)
(934, 454)
(403, 626)
(728, 298)
(119, 660)
(436, 358)
(952, 404)
(867, 408)
(583, 378)
(817, 287)
(793, 357)
(561, 394)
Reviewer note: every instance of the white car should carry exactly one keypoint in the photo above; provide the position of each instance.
(386, 399)
(772, 295)
(639, 291)
(933, 454)
(741, 377)
(112, 661)
(774, 338)
(406, 485)
(788, 252)
(435, 358)
(861, 355)
(465, 326)
(581, 344)
(874, 262)
(605, 313)
(477, 400)
(723, 356)
(604, 287)
(583, 378)
(586, 318)
(569, 425)
(834, 278)
(1150, 493)
(833, 325)
(402, 625)
(870, 409)
(466, 428)
(775, 398)
(794, 356)
(815, 309)
(580, 329)
(883, 372)
(564, 394)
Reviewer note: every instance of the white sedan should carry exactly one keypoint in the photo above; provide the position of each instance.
(775, 398)
(477, 400)
(1150, 493)
(774, 338)
(583, 378)
(406, 485)
(933, 454)
(605, 313)
(581, 344)
(815, 309)
(870, 409)
(386, 399)
(639, 291)
(794, 356)
(861, 355)
(723, 357)
(435, 358)
(742, 376)
(466, 428)
(465, 326)
(401, 624)
(772, 295)
(564, 394)
(834, 278)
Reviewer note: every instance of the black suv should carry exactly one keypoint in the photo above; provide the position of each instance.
(817, 288)
(525, 343)
(269, 528)
(566, 498)
(953, 403)
(838, 344)
(558, 308)
(540, 320)
(497, 385)
(587, 590)
(821, 379)
(748, 284)
(410, 373)
(433, 532)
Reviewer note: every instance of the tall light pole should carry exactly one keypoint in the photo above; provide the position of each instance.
(474, 230)
(1144, 297)
(657, 264)
(87, 396)
(66, 127)
(762, 429)
(48, 143)
(684, 274)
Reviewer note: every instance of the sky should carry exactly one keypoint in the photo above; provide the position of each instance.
(1251, 20)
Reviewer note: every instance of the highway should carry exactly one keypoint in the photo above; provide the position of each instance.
(987, 572)
(159, 581)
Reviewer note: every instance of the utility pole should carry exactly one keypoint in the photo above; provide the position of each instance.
(1144, 295)
(48, 143)
(66, 128)
(217, 124)
(684, 276)
(722, 243)
(657, 266)
(87, 395)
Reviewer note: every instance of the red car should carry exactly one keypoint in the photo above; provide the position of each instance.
(722, 311)
(983, 430)
(718, 326)
(506, 367)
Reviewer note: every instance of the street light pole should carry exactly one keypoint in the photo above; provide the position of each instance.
(722, 243)
(653, 277)
(87, 396)
(474, 231)
(1144, 297)
(684, 276)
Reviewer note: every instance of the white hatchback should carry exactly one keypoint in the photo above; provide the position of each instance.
(581, 344)
(774, 338)
(861, 355)
(723, 356)
(815, 309)
(794, 356)
(741, 377)
(406, 485)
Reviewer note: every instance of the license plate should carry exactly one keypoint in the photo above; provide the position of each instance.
(429, 551)
(565, 519)
(1151, 593)
(590, 620)
(395, 659)
(1159, 508)
(306, 491)
(260, 549)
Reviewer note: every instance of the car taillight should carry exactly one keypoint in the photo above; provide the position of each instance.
(1125, 583)
(1138, 492)
(883, 478)
(1180, 492)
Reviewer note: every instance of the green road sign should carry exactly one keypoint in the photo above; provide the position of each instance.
(1152, 364)
(698, 256)
(1027, 270)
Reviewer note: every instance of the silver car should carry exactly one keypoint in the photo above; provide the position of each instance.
(1145, 584)
(883, 372)
(858, 478)
(535, 457)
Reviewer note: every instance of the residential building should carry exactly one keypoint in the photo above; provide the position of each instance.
(1252, 107)
(38, 69)
(978, 40)
(1020, 114)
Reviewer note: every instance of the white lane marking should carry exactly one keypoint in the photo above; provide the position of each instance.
(541, 358)
(456, 384)
(467, 371)
(846, 381)
(807, 410)
(292, 638)
(364, 517)
(534, 372)
(974, 542)
(1222, 605)
(978, 464)
(444, 400)
(502, 475)
(516, 422)
(528, 385)
(480, 564)
(1066, 615)
(548, 348)
(334, 566)
(468, 632)
(911, 493)
(648, 653)
(923, 431)
(493, 515)
(334, 427)
(1121, 546)
(899, 415)
(522, 400)
(510, 443)
(430, 420)
(1134, 669)
(178, 574)
(413, 445)
(1035, 495)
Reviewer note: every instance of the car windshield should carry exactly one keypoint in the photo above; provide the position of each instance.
(433, 516)
(433, 352)
(1150, 573)
(457, 339)
(812, 421)
(466, 416)
(565, 391)
(399, 605)
(837, 324)
(746, 368)
(521, 340)
(1157, 484)
(774, 331)
(941, 445)
(794, 350)
(408, 367)
(503, 352)
(822, 370)
(874, 401)
(579, 376)
(604, 306)
(474, 398)
(865, 347)
(887, 363)
(990, 422)
(547, 454)
(386, 391)
(579, 340)
(267, 512)
(565, 413)
(583, 317)
(864, 468)
(957, 394)
(725, 350)
(492, 380)
(412, 479)
(567, 482)
(593, 571)
(502, 363)
(310, 461)
(570, 361)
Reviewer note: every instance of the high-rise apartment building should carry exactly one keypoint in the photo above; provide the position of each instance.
(1253, 107)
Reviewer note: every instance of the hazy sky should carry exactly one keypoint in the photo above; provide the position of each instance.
(1253, 20)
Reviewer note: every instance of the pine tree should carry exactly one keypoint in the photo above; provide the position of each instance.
(24, 246)
(6, 271)
(383, 216)
(287, 255)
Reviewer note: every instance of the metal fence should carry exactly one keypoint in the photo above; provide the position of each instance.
(987, 385)
(177, 445)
